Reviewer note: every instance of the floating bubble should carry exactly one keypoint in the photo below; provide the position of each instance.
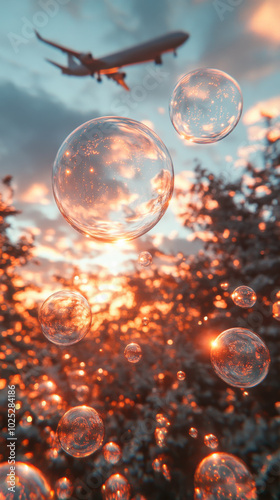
(145, 321)
(276, 310)
(65, 317)
(116, 488)
(28, 482)
(240, 357)
(145, 259)
(63, 488)
(211, 441)
(113, 179)
(222, 476)
(80, 431)
(112, 452)
(160, 436)
(133, 353)
(193, 432)
(162, 420)
(244, 296)
(206, 105)
(181, 375)
(224, 285)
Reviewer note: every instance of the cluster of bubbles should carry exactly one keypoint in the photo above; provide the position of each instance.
(65, 317)
(222, 476)
(133, 353)
(80, 431)
(240, 357)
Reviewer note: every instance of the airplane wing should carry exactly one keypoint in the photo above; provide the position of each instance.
(119, 78)
(57, 46)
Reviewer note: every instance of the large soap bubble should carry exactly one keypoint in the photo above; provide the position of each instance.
(28, 482)
(240, 357)
(206, 105)
(222, 476)
(113, 179)
(65, 317)
(80, 431)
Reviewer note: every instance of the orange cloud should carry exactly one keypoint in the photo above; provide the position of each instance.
(265, 21)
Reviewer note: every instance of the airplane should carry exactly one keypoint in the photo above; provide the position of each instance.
(84, 64)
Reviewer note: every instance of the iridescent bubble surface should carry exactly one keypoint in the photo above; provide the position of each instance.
(206, 105)
(222, 476)
(29, 483)
(133, 353)
(80, 431)
(145, 259)
(113, 179)
(112, 452)
(240, 357)
(116, 488)
(63, 488)
(244, 296)
(211, 441)
(65, 317)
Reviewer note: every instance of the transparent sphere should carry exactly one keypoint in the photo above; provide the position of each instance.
(222, 476)
(211, 441)
(63, 488)
(80, 431)
(145, 321)
(65, 317)
(28, 481)
(276, 310)
(240, 357)
(181, 375)
(116, 488)
(193, 432)
(113, 179)
(133, 353)
(206, 105)
(112, 452)
(244, 296)
(145, 259)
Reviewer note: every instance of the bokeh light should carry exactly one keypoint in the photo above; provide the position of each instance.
(244, 296)
(222, 476)
(145, 259)
(29, 483)
(113, 179)
(65, 317)
(133, 353)
(206, 105)
(63, 488)
(240, 357)
(276, 310)
(116, 488)
(112, 452)
(80, 431)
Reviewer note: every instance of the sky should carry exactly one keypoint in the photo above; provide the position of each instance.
(39, 106)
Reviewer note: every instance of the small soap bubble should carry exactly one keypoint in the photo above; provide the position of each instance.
(193, 432)
(276, 310)
(116, 488)
(224, 285)
(145, 259)
(211, 441)
(63, 488)
(240, 357)
(145, 321)
(244, 296)
(223, 476)
(112, 452)
(29, 483)
(80, 431)
(65, 317)
(133, 353)
(206, 105)
(181, 375)
(160, 436)
(113, 179)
